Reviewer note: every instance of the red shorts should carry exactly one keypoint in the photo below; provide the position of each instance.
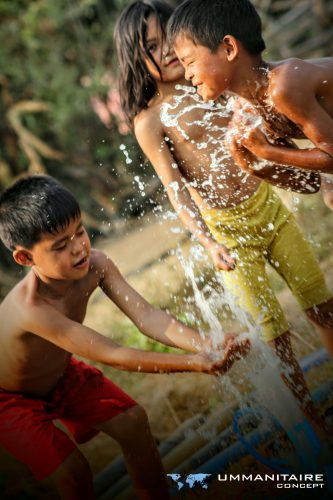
(82, 399)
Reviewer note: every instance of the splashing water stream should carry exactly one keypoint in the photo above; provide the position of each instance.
(261, 366)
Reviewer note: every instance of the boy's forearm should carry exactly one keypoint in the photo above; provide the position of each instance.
(294, 179)
(152, 362)
(85, 342)
(164, 328)
(185, 337)
(309, 159)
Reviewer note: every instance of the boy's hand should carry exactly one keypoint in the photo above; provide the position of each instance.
(245, 130)
(221, 257)
(242, 156)
(233, 351)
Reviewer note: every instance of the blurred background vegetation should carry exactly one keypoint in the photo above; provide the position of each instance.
(59, 104)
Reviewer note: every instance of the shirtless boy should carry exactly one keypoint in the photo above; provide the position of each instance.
(219, 42)
(41, 326)
(222, 207)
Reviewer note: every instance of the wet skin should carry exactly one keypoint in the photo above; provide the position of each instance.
(294, 97)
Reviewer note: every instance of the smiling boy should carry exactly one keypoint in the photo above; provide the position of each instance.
(220, 43)
(41, 326)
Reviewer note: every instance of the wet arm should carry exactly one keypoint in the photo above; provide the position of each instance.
(156, 149)
(151, 139)
(83, 341)
(303, 109)
(152, 322)
(281, 176)
(308, 159)
(247, 144)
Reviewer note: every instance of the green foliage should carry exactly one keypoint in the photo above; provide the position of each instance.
(61, 53)
(132, 337)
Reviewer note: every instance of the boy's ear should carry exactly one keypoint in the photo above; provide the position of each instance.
(230, 46)
(23, 257)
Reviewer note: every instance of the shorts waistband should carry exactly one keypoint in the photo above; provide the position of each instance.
(255, 199)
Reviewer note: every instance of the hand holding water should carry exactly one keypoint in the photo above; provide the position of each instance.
(223, 360)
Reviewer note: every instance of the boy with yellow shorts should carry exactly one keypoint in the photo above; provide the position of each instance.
(258, 230)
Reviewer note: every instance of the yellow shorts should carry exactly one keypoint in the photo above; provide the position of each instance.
(260, 230)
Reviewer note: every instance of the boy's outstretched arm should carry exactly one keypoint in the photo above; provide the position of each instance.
(46, 322)
(152, 322)
(150, 136)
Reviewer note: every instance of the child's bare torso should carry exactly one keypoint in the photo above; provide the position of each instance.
(308, 78)
(212, 177)
(30, 364)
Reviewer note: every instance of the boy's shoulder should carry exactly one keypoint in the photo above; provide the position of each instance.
(100, 265)
(25, 295)
(21, 299)
(284, 69)
(292, 82)
(293, 73)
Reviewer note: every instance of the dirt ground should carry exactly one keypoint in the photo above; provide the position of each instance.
(147, 257)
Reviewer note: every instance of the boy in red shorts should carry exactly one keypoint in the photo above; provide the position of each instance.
(41, 326)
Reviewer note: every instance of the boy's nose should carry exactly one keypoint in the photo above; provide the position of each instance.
(77, 247)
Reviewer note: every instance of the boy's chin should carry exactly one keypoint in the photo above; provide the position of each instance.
(208, 96)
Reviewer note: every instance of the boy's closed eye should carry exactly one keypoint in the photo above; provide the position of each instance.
(62, 244)
(60, 248)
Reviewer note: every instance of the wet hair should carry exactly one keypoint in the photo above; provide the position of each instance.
(207, 22)
(136, 86)
(33, 206)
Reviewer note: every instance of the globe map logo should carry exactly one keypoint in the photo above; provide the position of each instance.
(190, 480)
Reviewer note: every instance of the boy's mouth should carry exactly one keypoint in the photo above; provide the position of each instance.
(197, 85)
(82, 262)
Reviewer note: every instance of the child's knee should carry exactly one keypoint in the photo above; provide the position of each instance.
(134, 421)
(127, 426)
(73, 474)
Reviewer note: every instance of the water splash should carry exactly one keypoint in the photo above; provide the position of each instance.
(261, 367)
